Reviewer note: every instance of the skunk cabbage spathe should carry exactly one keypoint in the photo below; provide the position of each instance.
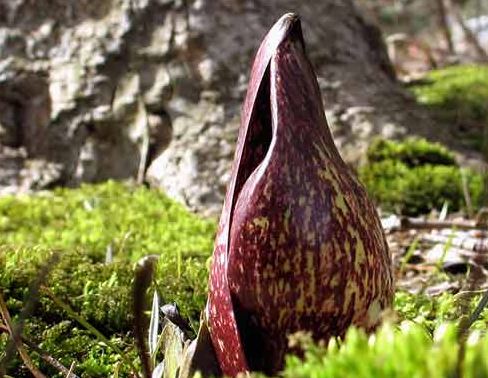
(299, 245)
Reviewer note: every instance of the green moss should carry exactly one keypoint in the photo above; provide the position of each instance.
(80, 225)
(132, 221)
(84, 223)
(412, 152)
(431, 312)
(101, 291)
(458, 95)
(423, 344)
(415, 176)
(405, 351)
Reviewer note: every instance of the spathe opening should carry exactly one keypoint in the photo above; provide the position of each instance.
(259, 131)
(258, 137)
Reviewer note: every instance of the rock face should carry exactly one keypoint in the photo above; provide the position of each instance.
(151, 89)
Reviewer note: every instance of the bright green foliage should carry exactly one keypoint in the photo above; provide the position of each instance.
(83, 223)
(133, 221)
(458, 95)
(432, 312)
(415, 176)
(98, 292)
(80, 224)
(424, 344)
(412, 152)
(407, 351)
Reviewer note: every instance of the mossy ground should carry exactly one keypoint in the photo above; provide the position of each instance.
(78, 225)
(415, 176)
(81, 227)
(458, 96)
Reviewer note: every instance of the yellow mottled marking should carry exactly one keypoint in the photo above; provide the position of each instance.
(311, 273)
(341, 203)
(281, 316)
(374, 313)
(328, 305)
(287, 288)
(286, 220)
(335, 280)
(310, 236)
(296, 261)
(281, 285)
(300, 305)
(261, 222)
(335, 247)
(326, 174)
(286, 266)
(350, 291)
(360, 251)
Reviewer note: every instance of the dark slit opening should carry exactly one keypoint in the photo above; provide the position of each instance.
(259, 135)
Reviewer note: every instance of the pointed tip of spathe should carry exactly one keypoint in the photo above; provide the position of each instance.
(289, 17)
(285, 24)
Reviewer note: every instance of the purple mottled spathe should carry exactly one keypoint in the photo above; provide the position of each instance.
(299, 245)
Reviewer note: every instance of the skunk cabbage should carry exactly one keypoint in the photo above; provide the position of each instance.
(299, 245)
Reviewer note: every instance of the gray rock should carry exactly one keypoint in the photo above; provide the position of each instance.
(119, 89)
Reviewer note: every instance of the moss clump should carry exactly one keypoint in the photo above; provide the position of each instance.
(403, 352)
(411, 152)
(458, 95)
(415, 176)
(132, 221)
(424, 344)
(81, 225)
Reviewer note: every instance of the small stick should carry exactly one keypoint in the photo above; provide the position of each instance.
(466, 243)
(17, 342)
(43, 354)
(467, 195)
(421, 224)
(70, 372)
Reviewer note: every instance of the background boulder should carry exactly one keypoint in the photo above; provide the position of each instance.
(151, 89)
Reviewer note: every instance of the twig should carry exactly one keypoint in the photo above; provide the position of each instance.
(145, 142)
(15, 337)
(421, 224)
(466, 243)
(143, 277)
(411, 250)
(463, 328)
(28, 308)
(478, 310)
(482, 215)
(444, 25)
(469, 35)
(43, 354)
(467, 195)
(71, 368)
